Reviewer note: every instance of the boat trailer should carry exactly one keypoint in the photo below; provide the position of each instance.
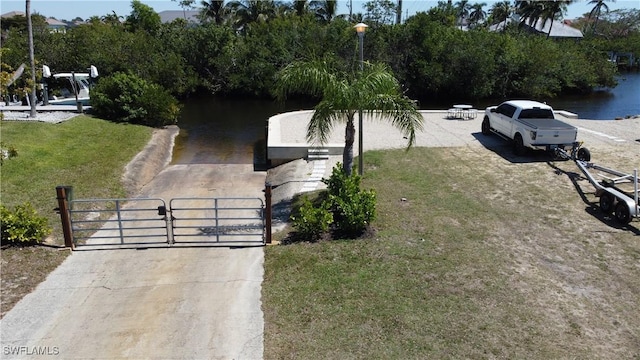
(618, 191)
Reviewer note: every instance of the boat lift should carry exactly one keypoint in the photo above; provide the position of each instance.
(618, 191)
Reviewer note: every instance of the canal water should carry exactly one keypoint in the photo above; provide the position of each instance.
(226, 131)
(606, 104)
(232, 131)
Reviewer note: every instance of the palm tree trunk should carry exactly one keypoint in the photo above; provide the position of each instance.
(32, 96)
(349, 137)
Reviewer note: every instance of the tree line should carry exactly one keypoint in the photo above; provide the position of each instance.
(238, 47)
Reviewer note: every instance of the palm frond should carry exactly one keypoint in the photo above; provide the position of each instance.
(324, 117)
(401, 111)
(312, 78)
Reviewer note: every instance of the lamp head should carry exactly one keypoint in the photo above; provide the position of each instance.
(360, 27)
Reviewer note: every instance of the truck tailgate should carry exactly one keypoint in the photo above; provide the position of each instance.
(551, 131)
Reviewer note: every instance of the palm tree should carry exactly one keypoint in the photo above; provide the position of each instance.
(552, 9)
(500, 12)
(374, 90)
(462, 7)
(325, 10)
(477, 14)
(597, 9)
(529, 11)
(300, 7)
(32, 96)
(113, 19)
(250, 11)
(214, 9)
(533, 11)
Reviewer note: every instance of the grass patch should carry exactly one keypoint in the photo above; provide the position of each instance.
(460, 267)
(86, 153)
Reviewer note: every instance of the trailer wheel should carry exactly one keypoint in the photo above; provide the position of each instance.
(584, 154)
(622, 213)
(486, 126)
(518, 145)
(606, 203)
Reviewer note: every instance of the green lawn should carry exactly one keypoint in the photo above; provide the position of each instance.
(86, 153)
(458, 270)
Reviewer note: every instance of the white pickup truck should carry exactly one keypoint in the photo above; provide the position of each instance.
(529, 124)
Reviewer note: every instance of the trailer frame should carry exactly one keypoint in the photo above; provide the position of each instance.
(613, 199)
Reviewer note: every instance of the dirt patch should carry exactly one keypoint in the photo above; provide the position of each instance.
(23, 268)
(576, 265)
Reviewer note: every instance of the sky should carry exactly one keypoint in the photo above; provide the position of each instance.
(70, 9)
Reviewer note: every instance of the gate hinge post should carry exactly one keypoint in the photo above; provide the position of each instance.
(65, 218)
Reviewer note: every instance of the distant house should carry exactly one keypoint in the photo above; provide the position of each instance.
(12, 14)
(56, 26)
(52, 24)
(168, 16)
(559, 29)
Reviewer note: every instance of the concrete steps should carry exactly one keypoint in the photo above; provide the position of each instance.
(317, 154)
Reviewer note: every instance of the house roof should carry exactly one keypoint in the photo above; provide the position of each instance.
(558, 30)
(54, 22)
(12, 14)
(168, 16)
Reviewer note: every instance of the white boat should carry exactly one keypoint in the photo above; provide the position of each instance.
(69, 88)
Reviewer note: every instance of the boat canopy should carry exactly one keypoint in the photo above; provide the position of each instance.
(70, 75)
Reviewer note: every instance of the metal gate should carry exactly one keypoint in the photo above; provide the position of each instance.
(217, 220)
(130, 222)
(148, 222)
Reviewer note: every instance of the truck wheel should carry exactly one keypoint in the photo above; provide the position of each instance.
(606, 203)
(518, 145)
(486, 126)
(622, 213)
(584, 154)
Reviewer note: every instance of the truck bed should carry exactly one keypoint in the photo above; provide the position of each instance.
(546, 124)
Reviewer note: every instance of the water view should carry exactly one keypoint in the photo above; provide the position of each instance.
(608, 104)
(226, 131)
(232, 131)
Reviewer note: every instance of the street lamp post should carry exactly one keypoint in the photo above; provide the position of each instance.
(360, 28)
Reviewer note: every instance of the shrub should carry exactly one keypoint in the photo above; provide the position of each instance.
(23, 225)
(128, 98)
(312, 222)
(353, 209)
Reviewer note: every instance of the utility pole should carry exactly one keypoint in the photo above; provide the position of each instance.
(399, 12)
(350, 10)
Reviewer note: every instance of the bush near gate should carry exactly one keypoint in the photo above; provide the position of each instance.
(313, 220)
(344, 209)
(353, 208)
(23, 225)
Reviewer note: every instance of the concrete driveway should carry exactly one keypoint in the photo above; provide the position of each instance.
(154, 303)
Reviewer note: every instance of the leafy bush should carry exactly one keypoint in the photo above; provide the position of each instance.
(23, 225)
(312, 222)
(353, 208)
(128, 98)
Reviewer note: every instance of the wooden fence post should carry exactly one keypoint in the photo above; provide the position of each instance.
(63, 208)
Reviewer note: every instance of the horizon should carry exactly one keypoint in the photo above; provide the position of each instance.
(71, 9)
